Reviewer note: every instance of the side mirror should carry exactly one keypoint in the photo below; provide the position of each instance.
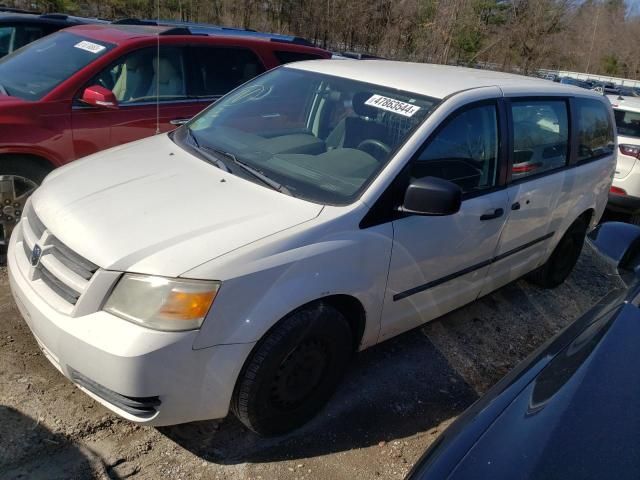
(99, 97)
(432, 196)
(618, 243)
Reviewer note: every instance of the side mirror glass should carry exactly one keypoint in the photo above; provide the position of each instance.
(432, 196)
(618, 243)
(99, 97)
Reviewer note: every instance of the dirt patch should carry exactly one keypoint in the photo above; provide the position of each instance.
(395, 400)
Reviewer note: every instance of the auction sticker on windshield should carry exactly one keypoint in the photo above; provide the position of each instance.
(392, 105)
(90, 46)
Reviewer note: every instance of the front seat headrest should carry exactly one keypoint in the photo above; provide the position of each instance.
(165, 72)
(359, 106)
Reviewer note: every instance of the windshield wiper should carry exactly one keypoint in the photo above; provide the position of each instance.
(253, 171)
(203, 151)
(3, 90)
(192, 137)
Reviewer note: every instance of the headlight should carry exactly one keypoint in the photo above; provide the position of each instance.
(162, 303)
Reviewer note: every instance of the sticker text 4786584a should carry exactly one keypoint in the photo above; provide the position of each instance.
(392, 105)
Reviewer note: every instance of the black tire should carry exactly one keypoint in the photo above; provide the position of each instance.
(564, 257)
(294, 370)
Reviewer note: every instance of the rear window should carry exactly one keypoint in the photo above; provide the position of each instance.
(627, 123)
(595, 132)
(289, 57)
(218, 70)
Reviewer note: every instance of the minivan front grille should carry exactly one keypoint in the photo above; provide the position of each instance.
(62, 270)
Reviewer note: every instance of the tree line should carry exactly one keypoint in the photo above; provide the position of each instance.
(591, 36)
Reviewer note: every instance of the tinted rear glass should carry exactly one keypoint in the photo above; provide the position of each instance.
(218, 70)
(32, 72)
(595, 131)
(288, 57)
(627, 123)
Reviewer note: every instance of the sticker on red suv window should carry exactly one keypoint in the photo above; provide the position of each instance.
(90, 46)
(392, 105)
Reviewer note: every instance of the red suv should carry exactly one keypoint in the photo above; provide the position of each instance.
(92, 87)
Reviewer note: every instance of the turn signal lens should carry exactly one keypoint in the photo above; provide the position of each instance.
(187, 305)
(162, 303)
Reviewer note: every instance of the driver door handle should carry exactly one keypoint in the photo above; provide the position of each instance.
(497, 213)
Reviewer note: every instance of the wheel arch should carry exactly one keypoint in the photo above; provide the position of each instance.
(40, 160)
(587, 216)
(348, 305)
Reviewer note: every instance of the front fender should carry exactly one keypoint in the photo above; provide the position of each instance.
(267, 288)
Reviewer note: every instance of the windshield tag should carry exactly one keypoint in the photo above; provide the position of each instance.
(90, 47)
(392, 105)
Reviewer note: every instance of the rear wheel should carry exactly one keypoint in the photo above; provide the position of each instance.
(19, 177)
(564, 257)
(294, 370)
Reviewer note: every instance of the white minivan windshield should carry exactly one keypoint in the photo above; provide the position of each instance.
(314, 136)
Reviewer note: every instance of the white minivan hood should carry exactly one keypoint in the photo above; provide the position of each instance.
(151, 207)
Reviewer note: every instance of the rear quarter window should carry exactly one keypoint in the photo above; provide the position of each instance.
(289, 57)
(595, 130)
(218, 70)
(627, 123)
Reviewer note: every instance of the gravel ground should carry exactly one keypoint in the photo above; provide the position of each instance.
(395, 400)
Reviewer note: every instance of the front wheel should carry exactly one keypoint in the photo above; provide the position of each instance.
(564, 257)
(19, 177)
(294, 370)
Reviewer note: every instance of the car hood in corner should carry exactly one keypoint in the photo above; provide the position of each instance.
(151, 207)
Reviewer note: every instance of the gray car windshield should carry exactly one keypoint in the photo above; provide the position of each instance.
(319, 137)
(33, 71)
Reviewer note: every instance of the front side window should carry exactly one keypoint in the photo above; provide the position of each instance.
(218, 70)
(7, 40)
(540, 136)
(627, 123)
(33, 71)
(322, 138)
(595, 132)
(25, 34)
(143, 76)
(464, 151)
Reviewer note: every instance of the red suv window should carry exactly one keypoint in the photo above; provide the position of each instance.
(218, 70)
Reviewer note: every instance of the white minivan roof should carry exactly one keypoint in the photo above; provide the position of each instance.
(436, 81)
(631, 104)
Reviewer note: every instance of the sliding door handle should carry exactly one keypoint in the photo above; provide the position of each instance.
(497, 213)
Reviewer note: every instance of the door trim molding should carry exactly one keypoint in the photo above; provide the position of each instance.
(472, 268)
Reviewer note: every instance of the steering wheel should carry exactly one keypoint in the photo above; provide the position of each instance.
(374, 148)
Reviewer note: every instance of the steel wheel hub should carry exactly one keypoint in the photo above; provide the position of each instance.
(14, 192)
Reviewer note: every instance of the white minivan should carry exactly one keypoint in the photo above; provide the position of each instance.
(323, 207)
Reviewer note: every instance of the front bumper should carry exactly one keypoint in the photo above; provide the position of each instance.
(105, 355)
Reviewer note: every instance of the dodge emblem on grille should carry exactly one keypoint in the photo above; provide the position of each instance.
(35, 255)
